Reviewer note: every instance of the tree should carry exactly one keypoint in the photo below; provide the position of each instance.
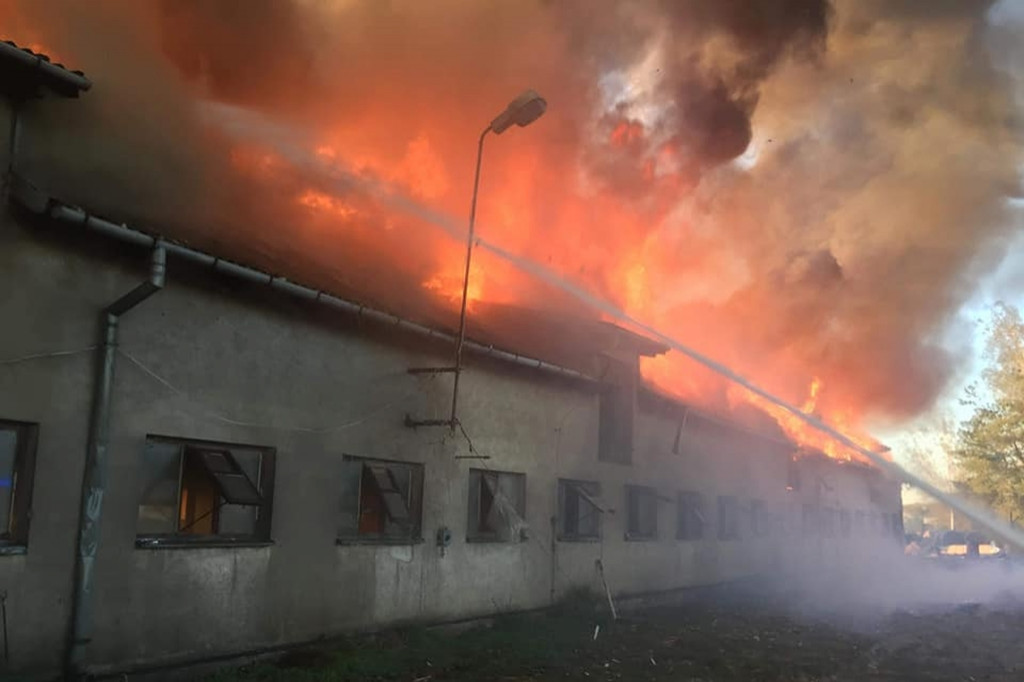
(989, 452)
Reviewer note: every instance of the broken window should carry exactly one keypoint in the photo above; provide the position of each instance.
(844, 522)
(759, 520)
(641, 513)
(580, 510)
(728, 518)
(497, 506)
(17, 465)
(191, 490)
(380, 500)
(690, 516)
(615, 414)
(811, 521)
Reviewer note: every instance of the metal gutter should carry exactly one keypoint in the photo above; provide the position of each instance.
(75, 81)
(75, 215)
(94, 475)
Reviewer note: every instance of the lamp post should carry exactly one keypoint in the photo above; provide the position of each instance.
(522, 111)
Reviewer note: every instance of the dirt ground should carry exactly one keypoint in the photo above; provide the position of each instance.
(735, 637)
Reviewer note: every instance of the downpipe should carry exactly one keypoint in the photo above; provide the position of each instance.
(94, 476)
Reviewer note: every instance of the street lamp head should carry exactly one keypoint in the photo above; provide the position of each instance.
(522, 111)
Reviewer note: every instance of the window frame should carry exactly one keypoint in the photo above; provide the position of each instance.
(728, 532)
(261, 535)
(588, 497)
(696, 512)
(640, 535)
(475, 535)
(14, 539)
(414, 507)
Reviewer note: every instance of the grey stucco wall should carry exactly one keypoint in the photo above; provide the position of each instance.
(201, 360)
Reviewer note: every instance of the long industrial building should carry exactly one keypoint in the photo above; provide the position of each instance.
(199, 459)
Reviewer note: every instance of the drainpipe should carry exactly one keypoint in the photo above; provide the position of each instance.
(94, 477)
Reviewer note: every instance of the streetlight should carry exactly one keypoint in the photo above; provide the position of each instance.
(522, 111)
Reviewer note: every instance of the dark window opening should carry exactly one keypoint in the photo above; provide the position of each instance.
(641, 513)
(17, 467)
(497, 506)
(690, 516)
(792, 475)
(760, 523)
(616, 413)
(811, 522)
(844, 523)
(897, 525)
(380, 500)
(195, 491)
(828, 522)
(580, 510)
(728, 518)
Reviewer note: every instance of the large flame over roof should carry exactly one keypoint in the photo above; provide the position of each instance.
(801, 190)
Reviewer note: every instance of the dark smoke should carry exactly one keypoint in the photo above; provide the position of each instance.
(794, 187)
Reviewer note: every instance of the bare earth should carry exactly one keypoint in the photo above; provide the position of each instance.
(725, 636)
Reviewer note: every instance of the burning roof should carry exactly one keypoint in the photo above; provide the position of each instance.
(780, 184)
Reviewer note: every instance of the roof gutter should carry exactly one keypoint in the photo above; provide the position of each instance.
(71, 79)
(72, 214)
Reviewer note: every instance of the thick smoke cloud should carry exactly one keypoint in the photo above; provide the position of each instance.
(797, 188)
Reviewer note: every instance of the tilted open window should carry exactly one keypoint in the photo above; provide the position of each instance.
(381, 501)
(690, 516)
(194, 491)
(579, 510)
(17, 465)
(497, 506)
(641, 513)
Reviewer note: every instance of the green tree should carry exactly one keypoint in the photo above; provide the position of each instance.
(989, 451)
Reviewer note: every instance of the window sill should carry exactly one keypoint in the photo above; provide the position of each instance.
(13, 550)
(378, 542)
(641, 538)
(220, 543)
(492, 541)
(580, 538)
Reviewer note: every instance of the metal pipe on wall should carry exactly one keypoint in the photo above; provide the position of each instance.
(94, 476)
(75, 215)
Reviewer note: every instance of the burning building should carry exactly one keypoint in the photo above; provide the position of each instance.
(239, 461)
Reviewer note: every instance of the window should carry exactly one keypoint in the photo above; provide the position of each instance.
(858, 522)
(690, 516)
(579, 510)
(728, 521)
(615, 418)
(884, 528)
(811, 521)
(17, 465)
(828, 522)
(381, 501)
(844, 522)
(792, 475)
(497, 506)
(759, 521)
(897, 525)
(198, 491)
(641, 513)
